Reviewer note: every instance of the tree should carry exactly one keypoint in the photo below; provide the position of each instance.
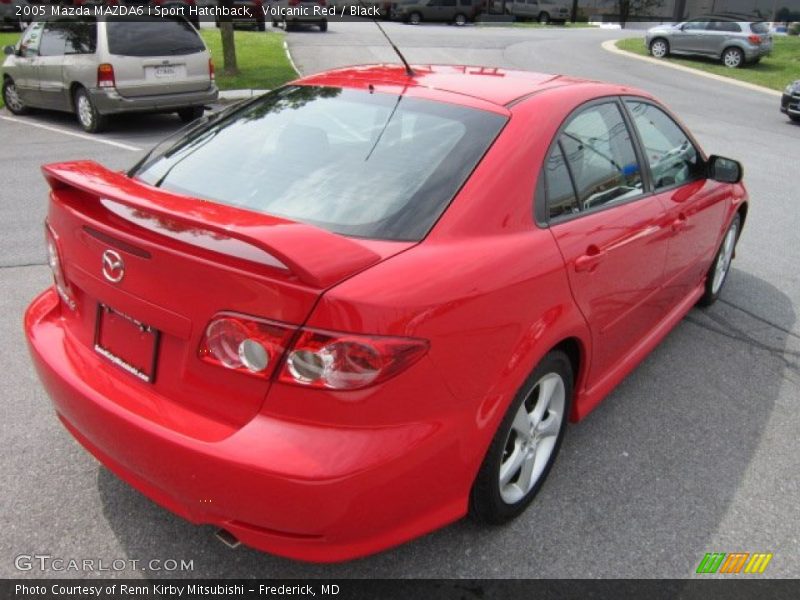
(229, 66)
(638, 8)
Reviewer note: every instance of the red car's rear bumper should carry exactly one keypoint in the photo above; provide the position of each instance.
(315, 493)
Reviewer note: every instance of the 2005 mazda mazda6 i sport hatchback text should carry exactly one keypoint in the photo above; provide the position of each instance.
(361, 306)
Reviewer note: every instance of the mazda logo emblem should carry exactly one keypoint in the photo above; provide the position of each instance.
(113, 266)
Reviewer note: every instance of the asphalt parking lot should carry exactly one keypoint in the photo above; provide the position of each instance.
(697, 451)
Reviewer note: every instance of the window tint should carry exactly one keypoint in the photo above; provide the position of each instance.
(760, 28)
(727, 26)
(601, 158)
(372, 165)
(448, 3)
(695, 26)
(152, 37)
(560, 194)
(672, 157)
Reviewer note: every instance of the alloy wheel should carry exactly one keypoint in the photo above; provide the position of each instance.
(659, 49)
(532, 438)
(85, 112)
(732, 58)
(12, 99)
(724, 258)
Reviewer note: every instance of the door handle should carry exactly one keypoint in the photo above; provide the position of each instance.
(590, 260)
(679, 223)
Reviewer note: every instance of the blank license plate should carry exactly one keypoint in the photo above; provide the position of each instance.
(126, 342)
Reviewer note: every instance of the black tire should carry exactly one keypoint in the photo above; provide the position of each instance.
(323, 26)
(274, 23)
(659, 48)
(486, 503)
(712, 290)
(795, 118)
(191, 113)
(261, 25)
(733, 57)
(415, 18)
(544, 18)
(460, 20)
(16, 106)
(89, 118)
(217, 24)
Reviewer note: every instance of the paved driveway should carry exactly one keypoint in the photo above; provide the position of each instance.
(696, 451)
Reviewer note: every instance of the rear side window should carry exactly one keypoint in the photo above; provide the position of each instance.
(371, 165)
(69, 37)
(599, 151)
(152, 37)
(672, 157)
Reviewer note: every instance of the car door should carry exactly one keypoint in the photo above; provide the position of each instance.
(50, 65)
(25, 64)
(695, 206)
(690, 38)
(608, 228)
(718, 35)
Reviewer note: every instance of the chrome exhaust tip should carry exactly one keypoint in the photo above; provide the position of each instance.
(227, 538)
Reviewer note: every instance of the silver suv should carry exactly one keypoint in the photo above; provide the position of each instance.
(99, 68)
(735, 42)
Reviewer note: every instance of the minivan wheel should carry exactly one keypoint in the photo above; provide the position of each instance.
(733, 58)
(88, 117)
(11, 97)
(460, 20)
(415, 18)
(544, 18)
(526, 443)
(718, 271)
(659, 48)
(191, 113)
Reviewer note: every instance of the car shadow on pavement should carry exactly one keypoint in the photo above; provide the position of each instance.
(640, 489)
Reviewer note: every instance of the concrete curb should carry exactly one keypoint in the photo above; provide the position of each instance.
(610, 46)
(229, 95)
(289, 56)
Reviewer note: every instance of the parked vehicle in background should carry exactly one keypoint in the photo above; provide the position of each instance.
(164, 4)
(733, 41)
(100, 68)
(790, 101)
(293, 15)
(543, 11)
(9, 14)
(255, 10)
(450, 11)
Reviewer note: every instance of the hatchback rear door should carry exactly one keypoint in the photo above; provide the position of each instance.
(156, 56)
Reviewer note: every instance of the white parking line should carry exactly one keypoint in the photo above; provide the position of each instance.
(611, 46)
(83, 136)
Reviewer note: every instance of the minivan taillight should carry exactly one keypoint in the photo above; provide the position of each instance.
(105, 76)
(211, 75)
(56, 266)
(315, 359)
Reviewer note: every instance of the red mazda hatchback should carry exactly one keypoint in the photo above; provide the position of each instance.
(366, 304)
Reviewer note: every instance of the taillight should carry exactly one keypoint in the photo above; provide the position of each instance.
(105, 76)
(316, 359)
(54, 260)
(245, 344)
(754, 39)
(211, 75)
(347, 362)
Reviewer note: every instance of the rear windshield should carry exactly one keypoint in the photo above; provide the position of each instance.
(760, 28)
(152, 37)
(370, 165)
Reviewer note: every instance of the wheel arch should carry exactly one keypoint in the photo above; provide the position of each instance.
(73, 89)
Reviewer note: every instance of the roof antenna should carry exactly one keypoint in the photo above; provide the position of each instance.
(409, 70)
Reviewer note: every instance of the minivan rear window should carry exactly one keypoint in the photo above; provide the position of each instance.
(152, 37)
(355, 162)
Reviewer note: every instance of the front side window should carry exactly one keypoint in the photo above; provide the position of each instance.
(69, 37)
(672, 157)
(29, 45)
(372, 165)
(601, 158)
(695, 26)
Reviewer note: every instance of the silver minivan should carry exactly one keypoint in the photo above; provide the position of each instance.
(104, 67)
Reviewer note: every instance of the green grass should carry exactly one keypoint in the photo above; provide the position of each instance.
(774, 71)
(262, 61)
(261, 58)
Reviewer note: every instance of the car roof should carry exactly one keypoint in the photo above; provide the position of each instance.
(501, 87)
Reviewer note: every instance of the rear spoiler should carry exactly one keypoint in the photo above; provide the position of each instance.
(315, 256)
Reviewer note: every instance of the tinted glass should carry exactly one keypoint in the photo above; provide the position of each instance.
(152, 37)
(600, 153)
(448, 2)
(81, 37)
(695, 26)
(357, 163)
(560, 194)
(760, 28)
(672, 157)
(726, 26)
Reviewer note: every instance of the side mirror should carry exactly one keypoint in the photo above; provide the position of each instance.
(725, 170)
(9, 50)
